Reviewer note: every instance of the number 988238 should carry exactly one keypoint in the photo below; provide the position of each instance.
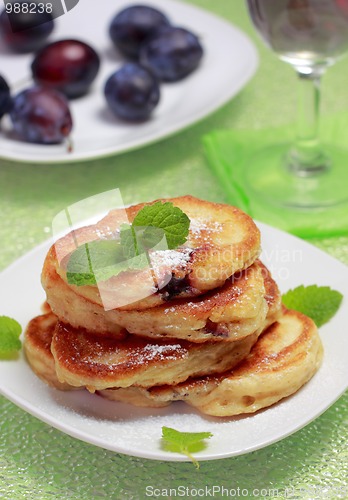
(28, 8)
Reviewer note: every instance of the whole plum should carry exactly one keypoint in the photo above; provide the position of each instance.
(132, 92)
(41, 116)
(69, 66)
(133, 25)
(172, 53)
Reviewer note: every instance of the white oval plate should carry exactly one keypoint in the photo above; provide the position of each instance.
(229, 62)
(135, 431)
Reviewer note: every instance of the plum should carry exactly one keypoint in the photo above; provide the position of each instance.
(132, 92)
(172, 53)
(41, 116)
(69, 66)
(134, 24)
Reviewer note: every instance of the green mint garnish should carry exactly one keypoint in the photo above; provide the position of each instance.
(10, 331)
(138, 240)
(129, 241)
(318, 302)
(159, 226)
(172, 220)
(95, 261)
(184, 442)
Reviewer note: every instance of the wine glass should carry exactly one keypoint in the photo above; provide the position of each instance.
(310, 35)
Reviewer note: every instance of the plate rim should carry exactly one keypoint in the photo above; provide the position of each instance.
(158, 454)
(107, 152)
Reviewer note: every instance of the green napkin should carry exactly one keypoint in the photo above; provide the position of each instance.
(228, 151)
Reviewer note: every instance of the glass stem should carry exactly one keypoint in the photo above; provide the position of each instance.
(306, 157)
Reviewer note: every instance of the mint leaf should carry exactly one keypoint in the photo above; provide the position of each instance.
(10, 331)
(95, 261)
(129, 241)
(318, 302)
(184, 442)
(137, 240)
(160, 226)
(154, 238)
(172, 220)
(79, 270)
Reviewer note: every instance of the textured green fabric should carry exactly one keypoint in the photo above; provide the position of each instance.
(230, 152)
(38, 462)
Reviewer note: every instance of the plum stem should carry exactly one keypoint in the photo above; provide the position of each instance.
(69, 144)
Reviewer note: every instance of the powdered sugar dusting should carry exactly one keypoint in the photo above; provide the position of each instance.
(171, 259)
(208, 227)
(151, 351)
(154, 354)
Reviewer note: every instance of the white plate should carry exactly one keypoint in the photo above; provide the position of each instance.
(229, 62)
(126, 429)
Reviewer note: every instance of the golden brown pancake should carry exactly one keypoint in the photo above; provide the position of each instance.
(283, 359)
(229, 313)
(37, 348)
(74, 309)
(222, 241)
(232, 312)
(99, 362)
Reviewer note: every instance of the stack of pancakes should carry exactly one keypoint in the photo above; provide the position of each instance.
(203, 324)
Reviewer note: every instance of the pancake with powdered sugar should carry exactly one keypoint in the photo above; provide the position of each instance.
(222, 240)
(284, 358)
(64, 356)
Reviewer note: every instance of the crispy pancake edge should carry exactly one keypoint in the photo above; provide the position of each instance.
(210, 267)
(259, 381)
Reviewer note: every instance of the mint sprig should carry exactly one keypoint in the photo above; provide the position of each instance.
(95, 261)
(184, 442)
(138, 240)
(10, 331)
(161, 226)
(172, 220)
(318, 302)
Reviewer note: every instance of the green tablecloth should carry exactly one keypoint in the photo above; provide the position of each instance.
(37, 461)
